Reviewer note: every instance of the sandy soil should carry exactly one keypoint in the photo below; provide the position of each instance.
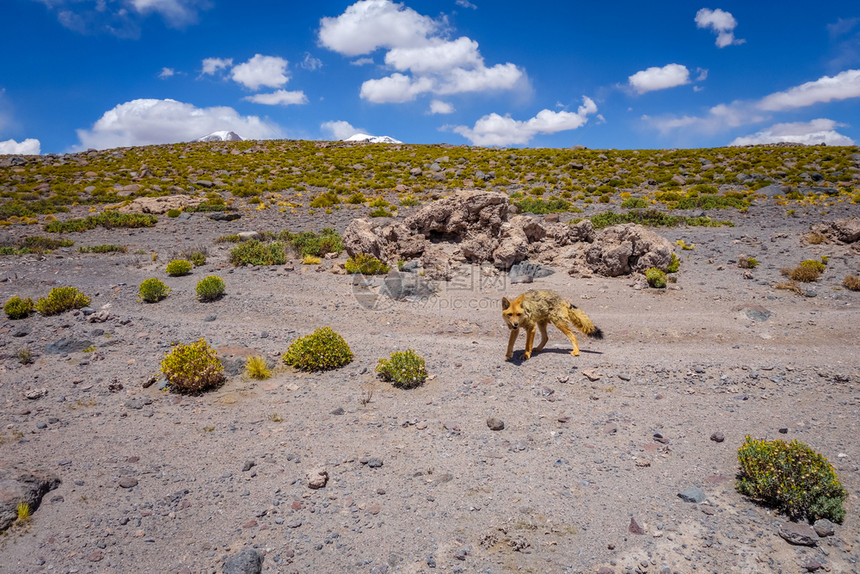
(158, 482)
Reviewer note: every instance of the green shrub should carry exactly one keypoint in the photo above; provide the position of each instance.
(745, 262)
(366, 265)
(102, 249)
(192, 368)
(405, 369)
(653, 218)
(792, 478)
(320, 351)
(210, 288)
(108, 219)
(17, 308)
(634, 203)
(198, 258)
(380, 212)
(309, 243)
(656, 278)
(539, 206)
(153, 290)
(674, 265)
(256, 368)
(173, 212)
(178, 267)
(253, 252)
(61, 299)
(807, 272)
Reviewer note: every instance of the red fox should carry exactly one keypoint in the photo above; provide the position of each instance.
(534, 309)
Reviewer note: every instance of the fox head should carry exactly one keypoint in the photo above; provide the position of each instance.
(512, 311)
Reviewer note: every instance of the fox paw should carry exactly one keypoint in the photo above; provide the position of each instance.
(575, 352)
(526, 356)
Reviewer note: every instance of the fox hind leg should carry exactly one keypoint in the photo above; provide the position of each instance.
(511, 340)
(564, 328)
(543, 336)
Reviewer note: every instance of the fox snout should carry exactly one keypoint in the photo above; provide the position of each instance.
(513, 325)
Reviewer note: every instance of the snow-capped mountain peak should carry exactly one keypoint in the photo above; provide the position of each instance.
(372, 139)
(220, 136)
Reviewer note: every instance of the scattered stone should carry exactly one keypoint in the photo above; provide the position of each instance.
(127, 482)
(634, 527)
(374, 463)
(495, 424)
(692, 494)
(798, 534)
(824, 527)
(35, 394)
(247, 561)
(317, 478)
(249, 464)
(812, 565)
(718, 437)
(27, 486)
(338, 411)
(65, 346)
(592, 374)
(783, 430)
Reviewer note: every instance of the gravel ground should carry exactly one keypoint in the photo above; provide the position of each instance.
(584, 476)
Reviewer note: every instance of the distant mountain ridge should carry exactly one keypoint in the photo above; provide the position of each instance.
(372, 139)
(220, 136)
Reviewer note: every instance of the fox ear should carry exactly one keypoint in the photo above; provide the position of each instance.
(521, 298)
(505, 303)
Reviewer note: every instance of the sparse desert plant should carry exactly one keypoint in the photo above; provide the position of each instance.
(178, 267)
(102, 249)
(745, 262)
(674, 265)
(61, 299)
(792, 478)
(17, 308)
(173, 212)
(198, 257)
(23, 512)
(851, 282)
(210, 288)
(256, 368)
(320, 351)
(807, 272)
(192, 368)
(405, 369)
(153, 290)
(311, 260)
(792, 286)
(380, 212)
(25, 357)
(656, 278)
(366, 265)
(634, 203)
(253, 252)
(815, 238)
(108, 219)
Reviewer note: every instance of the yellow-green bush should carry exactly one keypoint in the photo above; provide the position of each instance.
(256, 368)
(320, 351)
(366, 265)
(405, 369)
(152, 290)
(17, 308)
(61, 299)
(210, 288)
(192, 368)
(656, 278)
(178, 267)
(792, 478)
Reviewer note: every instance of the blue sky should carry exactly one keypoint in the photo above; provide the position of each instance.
(81, 74)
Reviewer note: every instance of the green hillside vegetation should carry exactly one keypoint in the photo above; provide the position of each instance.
(292, 175)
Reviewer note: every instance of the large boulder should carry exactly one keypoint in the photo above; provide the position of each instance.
(22, 486)
(841, 231)
(621, 250)
(360, 237)
(160, 205)
(455, 216)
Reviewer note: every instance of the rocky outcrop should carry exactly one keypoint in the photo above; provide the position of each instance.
(22, 486)
(160, 205)
(476, 227)
(840, 231)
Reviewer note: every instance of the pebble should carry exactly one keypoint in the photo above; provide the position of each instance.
(718, 437)
(798, 534)
(495, 424)
(634, 527)
(127, 482)
(692, 494)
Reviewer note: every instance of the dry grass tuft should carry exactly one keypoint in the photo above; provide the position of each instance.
(851, 282)
(789, 286)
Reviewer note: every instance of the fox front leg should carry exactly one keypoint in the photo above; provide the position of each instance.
(530, 341)
(511, 341)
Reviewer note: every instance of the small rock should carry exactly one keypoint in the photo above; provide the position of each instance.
(718, 437)
(592, 374)
(798, 534)
(317, 478)
(249, 464)
(605, 570)
(495, 424)
(338, 411)
(374, 463)
(36, 394)
(823, 527)
(783, 430)
(812, 565)
(128, 482)
(95, 556)
(248, 561)
(634, 527)
(692, 494)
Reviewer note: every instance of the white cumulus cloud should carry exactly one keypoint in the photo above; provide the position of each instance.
(371, 24)
(810, 133)
(166, 73)
(176, 13)
(268, 71)
(338, 129)
(212, 66)
(494, 129)
(418, 51)
(29, 146)
(720, 22)
(654, 78)
(151, 121)
(440, 107)
(123, 18)
(311, 63)
(842, 86)
(279, 98)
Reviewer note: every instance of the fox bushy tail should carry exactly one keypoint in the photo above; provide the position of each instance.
(581, 321)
